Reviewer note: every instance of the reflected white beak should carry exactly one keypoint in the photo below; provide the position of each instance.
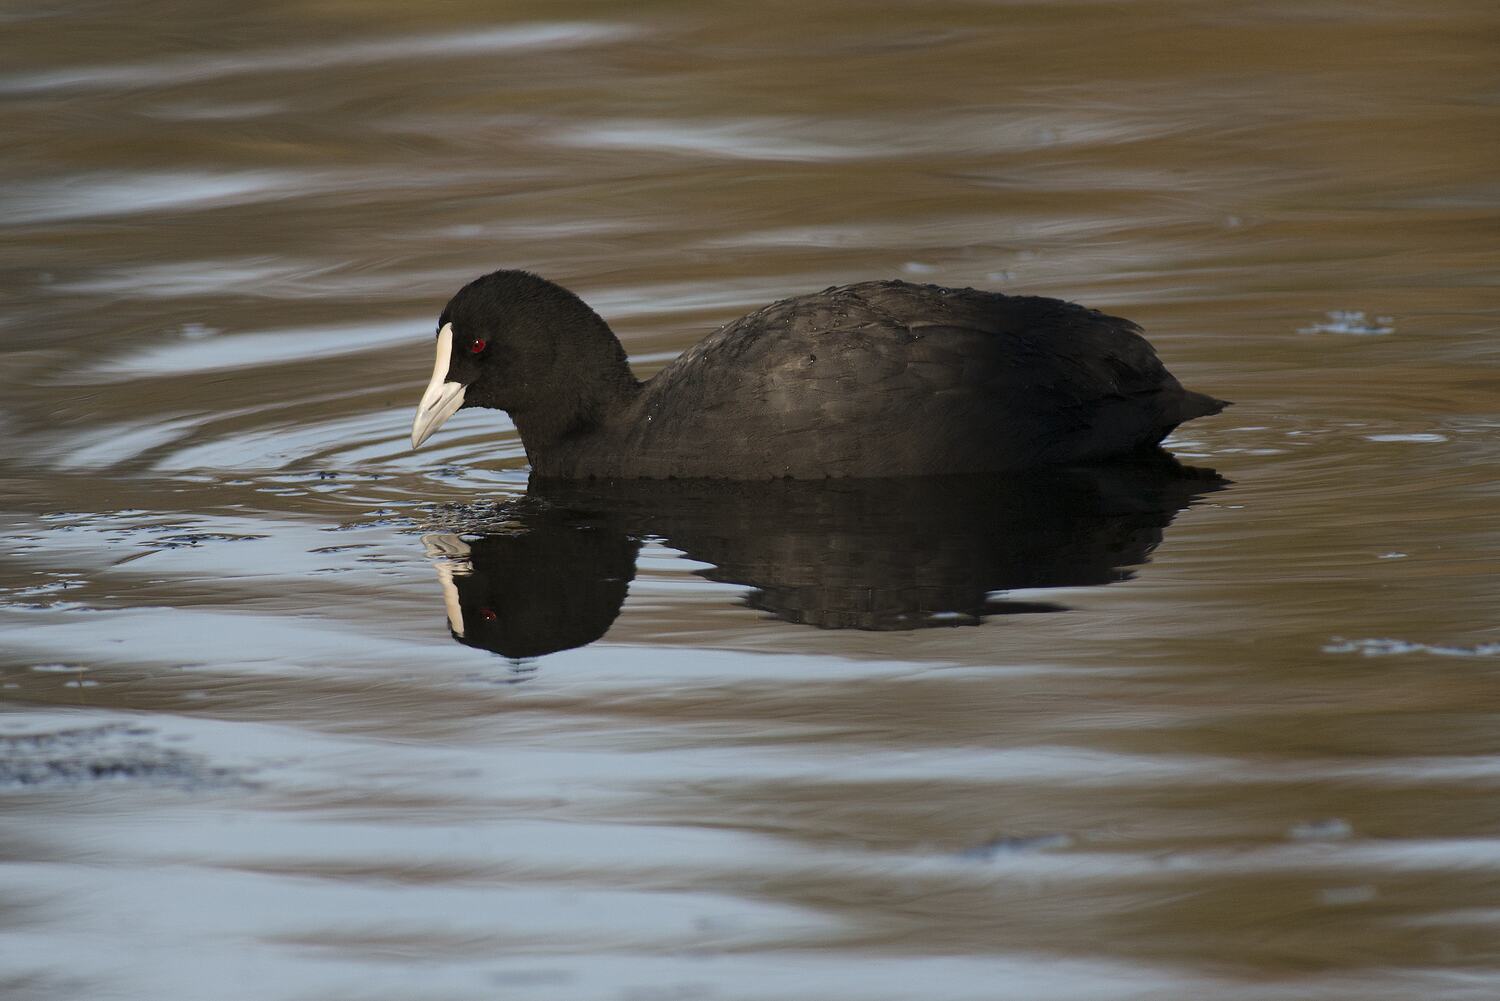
(452, 553)
(442, 398)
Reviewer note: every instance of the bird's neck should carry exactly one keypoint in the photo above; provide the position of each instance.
(577, 411)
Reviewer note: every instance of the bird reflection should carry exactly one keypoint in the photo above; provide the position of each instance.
(546, 579)
(550, 571)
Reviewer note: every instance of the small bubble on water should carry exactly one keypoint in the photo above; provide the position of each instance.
(1350, 321)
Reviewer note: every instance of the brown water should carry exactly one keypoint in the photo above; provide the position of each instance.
(242, 756)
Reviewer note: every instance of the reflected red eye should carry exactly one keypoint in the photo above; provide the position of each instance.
(477, 346)
(488, 614)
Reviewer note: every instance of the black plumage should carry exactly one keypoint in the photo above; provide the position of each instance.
(881, 378)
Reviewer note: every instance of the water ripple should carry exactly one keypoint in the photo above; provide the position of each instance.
(196, 68)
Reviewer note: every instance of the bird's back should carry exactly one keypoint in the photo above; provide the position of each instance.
(889, 378)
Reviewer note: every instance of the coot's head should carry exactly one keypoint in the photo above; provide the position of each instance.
(515, 342)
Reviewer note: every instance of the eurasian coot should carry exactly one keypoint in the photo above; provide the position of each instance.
(882, 378)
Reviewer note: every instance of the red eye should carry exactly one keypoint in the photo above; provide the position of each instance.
(477, 346)
(487, 614)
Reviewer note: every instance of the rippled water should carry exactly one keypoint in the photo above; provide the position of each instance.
(261, 739)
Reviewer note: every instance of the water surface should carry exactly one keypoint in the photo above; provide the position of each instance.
(1222, 740)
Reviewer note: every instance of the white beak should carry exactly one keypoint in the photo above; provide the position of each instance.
(442, 398)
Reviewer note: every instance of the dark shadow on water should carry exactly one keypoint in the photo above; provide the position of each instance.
(550, 571)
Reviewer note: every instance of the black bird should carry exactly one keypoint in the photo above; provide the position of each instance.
(882, 378)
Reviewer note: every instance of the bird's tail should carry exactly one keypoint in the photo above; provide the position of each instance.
(1196, 405)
